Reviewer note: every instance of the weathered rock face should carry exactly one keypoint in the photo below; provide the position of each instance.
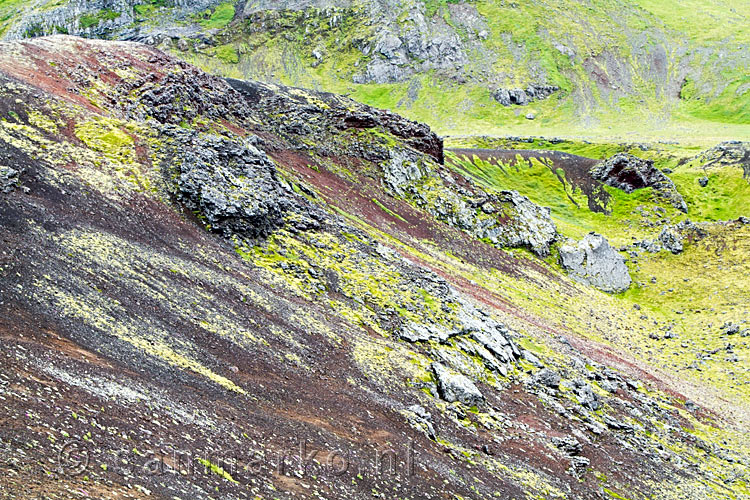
(521, 97)
(504, 218)
(454, 387)
(627, 172)
(95, 18)
(524, 224)
(476, 337)
(594, 262)
(547, 378)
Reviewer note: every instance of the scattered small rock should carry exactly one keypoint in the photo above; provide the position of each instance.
(568, 444)
(8, 179)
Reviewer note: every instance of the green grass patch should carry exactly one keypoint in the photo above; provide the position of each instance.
(227, 54)
(91, 20)
(220, 17)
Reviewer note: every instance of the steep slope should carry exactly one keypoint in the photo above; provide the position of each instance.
(600, 67)
(237, 289)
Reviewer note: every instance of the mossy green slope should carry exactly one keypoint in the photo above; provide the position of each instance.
(671, 70)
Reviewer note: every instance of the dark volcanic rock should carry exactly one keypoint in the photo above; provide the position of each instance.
(627, 172)
(232, 184)
(318, 114)
(730, 153)
(547, 378)
(568, 444)
(521, 97)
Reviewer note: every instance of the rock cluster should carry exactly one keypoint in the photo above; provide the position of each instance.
(521, 97)
(477, 336)
(521, 223)
(505, 218)
(672, 238)
(627, 172)
(302, 114)
(594, 262)
(8, 179)
(420, 418)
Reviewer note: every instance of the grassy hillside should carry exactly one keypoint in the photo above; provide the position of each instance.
(644, 69)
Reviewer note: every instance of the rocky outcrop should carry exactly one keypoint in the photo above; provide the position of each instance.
(672, 238)
(302, 114)
(521, 223)
(547, 377)
(476, 336)
(627, 172)
(454, 387)
(521, 97)
(594, 262)
(98, 18)
(730, 153)
(232, 185)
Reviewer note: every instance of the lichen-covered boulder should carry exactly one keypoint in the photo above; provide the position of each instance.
(521, 223)
(456, 387)
(671, 240)
(594, 262)
(232, 185)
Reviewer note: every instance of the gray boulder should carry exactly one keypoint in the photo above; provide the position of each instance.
(456, 387)
(521, 223)
(594, 262)
(586, 395)
(627, 172)
(547, 378)
(420, 418)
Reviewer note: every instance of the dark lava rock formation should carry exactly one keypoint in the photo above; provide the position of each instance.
(521, 97)
(627, 172)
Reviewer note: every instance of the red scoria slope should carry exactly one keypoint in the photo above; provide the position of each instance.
(152, 349)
